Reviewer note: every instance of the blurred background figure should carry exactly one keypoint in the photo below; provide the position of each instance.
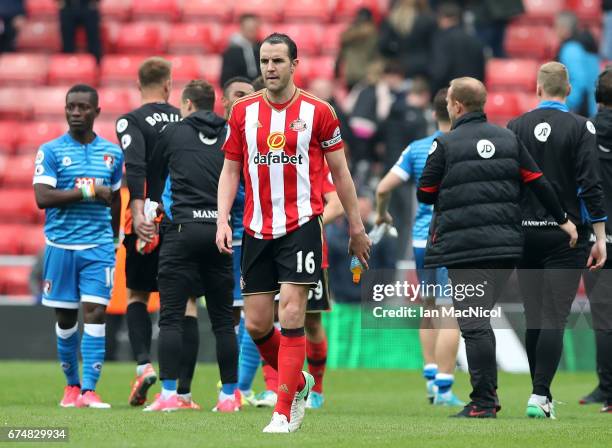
(491, 18)
(454, 52)
(606, 39)
(80, 13)
(12, 19)
(406, 36)
(241, 57)
(578, 52)
(358, 48)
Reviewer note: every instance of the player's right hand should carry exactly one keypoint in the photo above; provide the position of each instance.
(145, 230)
(570, 229)
(359, 246)
(598, 256)
(384, 219)
(224, 238)
(103, 194)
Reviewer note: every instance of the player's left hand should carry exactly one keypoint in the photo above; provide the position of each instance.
(359, 246)
(598, 255)
(224, 238)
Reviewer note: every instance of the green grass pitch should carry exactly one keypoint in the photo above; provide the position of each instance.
(364, 408)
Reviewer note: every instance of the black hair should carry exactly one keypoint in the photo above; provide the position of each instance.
(200, 93)
(450, 10)
(279, 38)
(603, 92)
(84, 88)
(439, 105)
(231, 81)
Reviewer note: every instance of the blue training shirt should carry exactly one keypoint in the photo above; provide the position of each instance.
(411, 165)
(66, 164)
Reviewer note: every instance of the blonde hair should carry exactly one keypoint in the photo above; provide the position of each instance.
(554, 79)
(154, 71)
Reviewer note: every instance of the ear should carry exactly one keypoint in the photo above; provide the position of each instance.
(569, 89)
(539, 91)
(294, 65)
(98, 110)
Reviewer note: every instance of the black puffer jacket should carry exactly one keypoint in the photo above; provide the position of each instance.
(603, 124)
(474, 175)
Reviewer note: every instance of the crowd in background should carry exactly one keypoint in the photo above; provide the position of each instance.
(387, 71)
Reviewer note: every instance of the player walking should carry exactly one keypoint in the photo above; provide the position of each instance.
(77, 178)
(280, 137)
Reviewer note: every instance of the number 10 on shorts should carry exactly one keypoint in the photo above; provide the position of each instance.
(308, 263)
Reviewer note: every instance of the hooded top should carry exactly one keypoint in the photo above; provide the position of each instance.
(603, 125)
(186, 165)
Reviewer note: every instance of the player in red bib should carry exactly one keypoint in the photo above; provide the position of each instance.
(279, 137)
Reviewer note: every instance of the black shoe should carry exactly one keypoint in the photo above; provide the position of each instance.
(475, 411)
(594, 397)
(607, 409)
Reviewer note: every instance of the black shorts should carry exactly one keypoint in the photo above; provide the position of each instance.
(293, 258)
(140, 270)
(190, 265)
(318, 298)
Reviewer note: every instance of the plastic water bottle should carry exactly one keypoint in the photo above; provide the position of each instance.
(356, 269)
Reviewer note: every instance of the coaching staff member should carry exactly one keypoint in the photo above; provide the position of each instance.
(474, 176)
(599, 284)
(564, 146)
(186, 163)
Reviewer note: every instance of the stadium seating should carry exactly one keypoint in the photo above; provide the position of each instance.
(72, 69)
(117, 70)
(8, 136)
(116, 101)
(15, 104)
(156, 9)
(48, 103)
(307, 36)
(34, 134)
(120, 10)
(502, 107)
(223, 35)
(106, 129)
(10, 239)
(512, 74)
(331, 38)
(588, 11)
(142, 38)
(190, 38)
(300, 10)
(541, 12)
(211, 68)
(527, 101)
(19, 206)
(269, 10)
(346, 9)
(23, 69)
(15, 280)
(186, 67)
(198, 10)
(32, 240)
(18, 171)
(40, 36)
(530, 41)
(42, 9)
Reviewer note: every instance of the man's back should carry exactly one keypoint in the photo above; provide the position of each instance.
(455, 53)
(138, 132)
(563, 146)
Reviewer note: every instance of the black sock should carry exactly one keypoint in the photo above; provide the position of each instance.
(189, 353)
(139, 331)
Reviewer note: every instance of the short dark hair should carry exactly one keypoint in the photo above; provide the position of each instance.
(450, 10)
(604, 87)
(231, 81)
(258, 83)
(84, 88)
(200, 93)
(439, 105)
(154, 71)
(280, 38)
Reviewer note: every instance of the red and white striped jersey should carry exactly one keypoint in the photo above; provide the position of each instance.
(281, 148)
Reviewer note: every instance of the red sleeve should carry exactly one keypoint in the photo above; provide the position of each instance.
(329, 129)
(234, 141)
(328, 183)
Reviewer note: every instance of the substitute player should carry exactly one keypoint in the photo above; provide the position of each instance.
(77, 179)
(439, 337)
(280, 136)
(564, 146)
(138, 132)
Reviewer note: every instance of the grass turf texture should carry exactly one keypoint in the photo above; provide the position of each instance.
(362, 408)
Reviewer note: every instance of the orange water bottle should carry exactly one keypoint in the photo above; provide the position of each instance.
(356, 269)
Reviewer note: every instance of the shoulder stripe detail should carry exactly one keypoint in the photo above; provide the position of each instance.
(242, 100)
(311, 96)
